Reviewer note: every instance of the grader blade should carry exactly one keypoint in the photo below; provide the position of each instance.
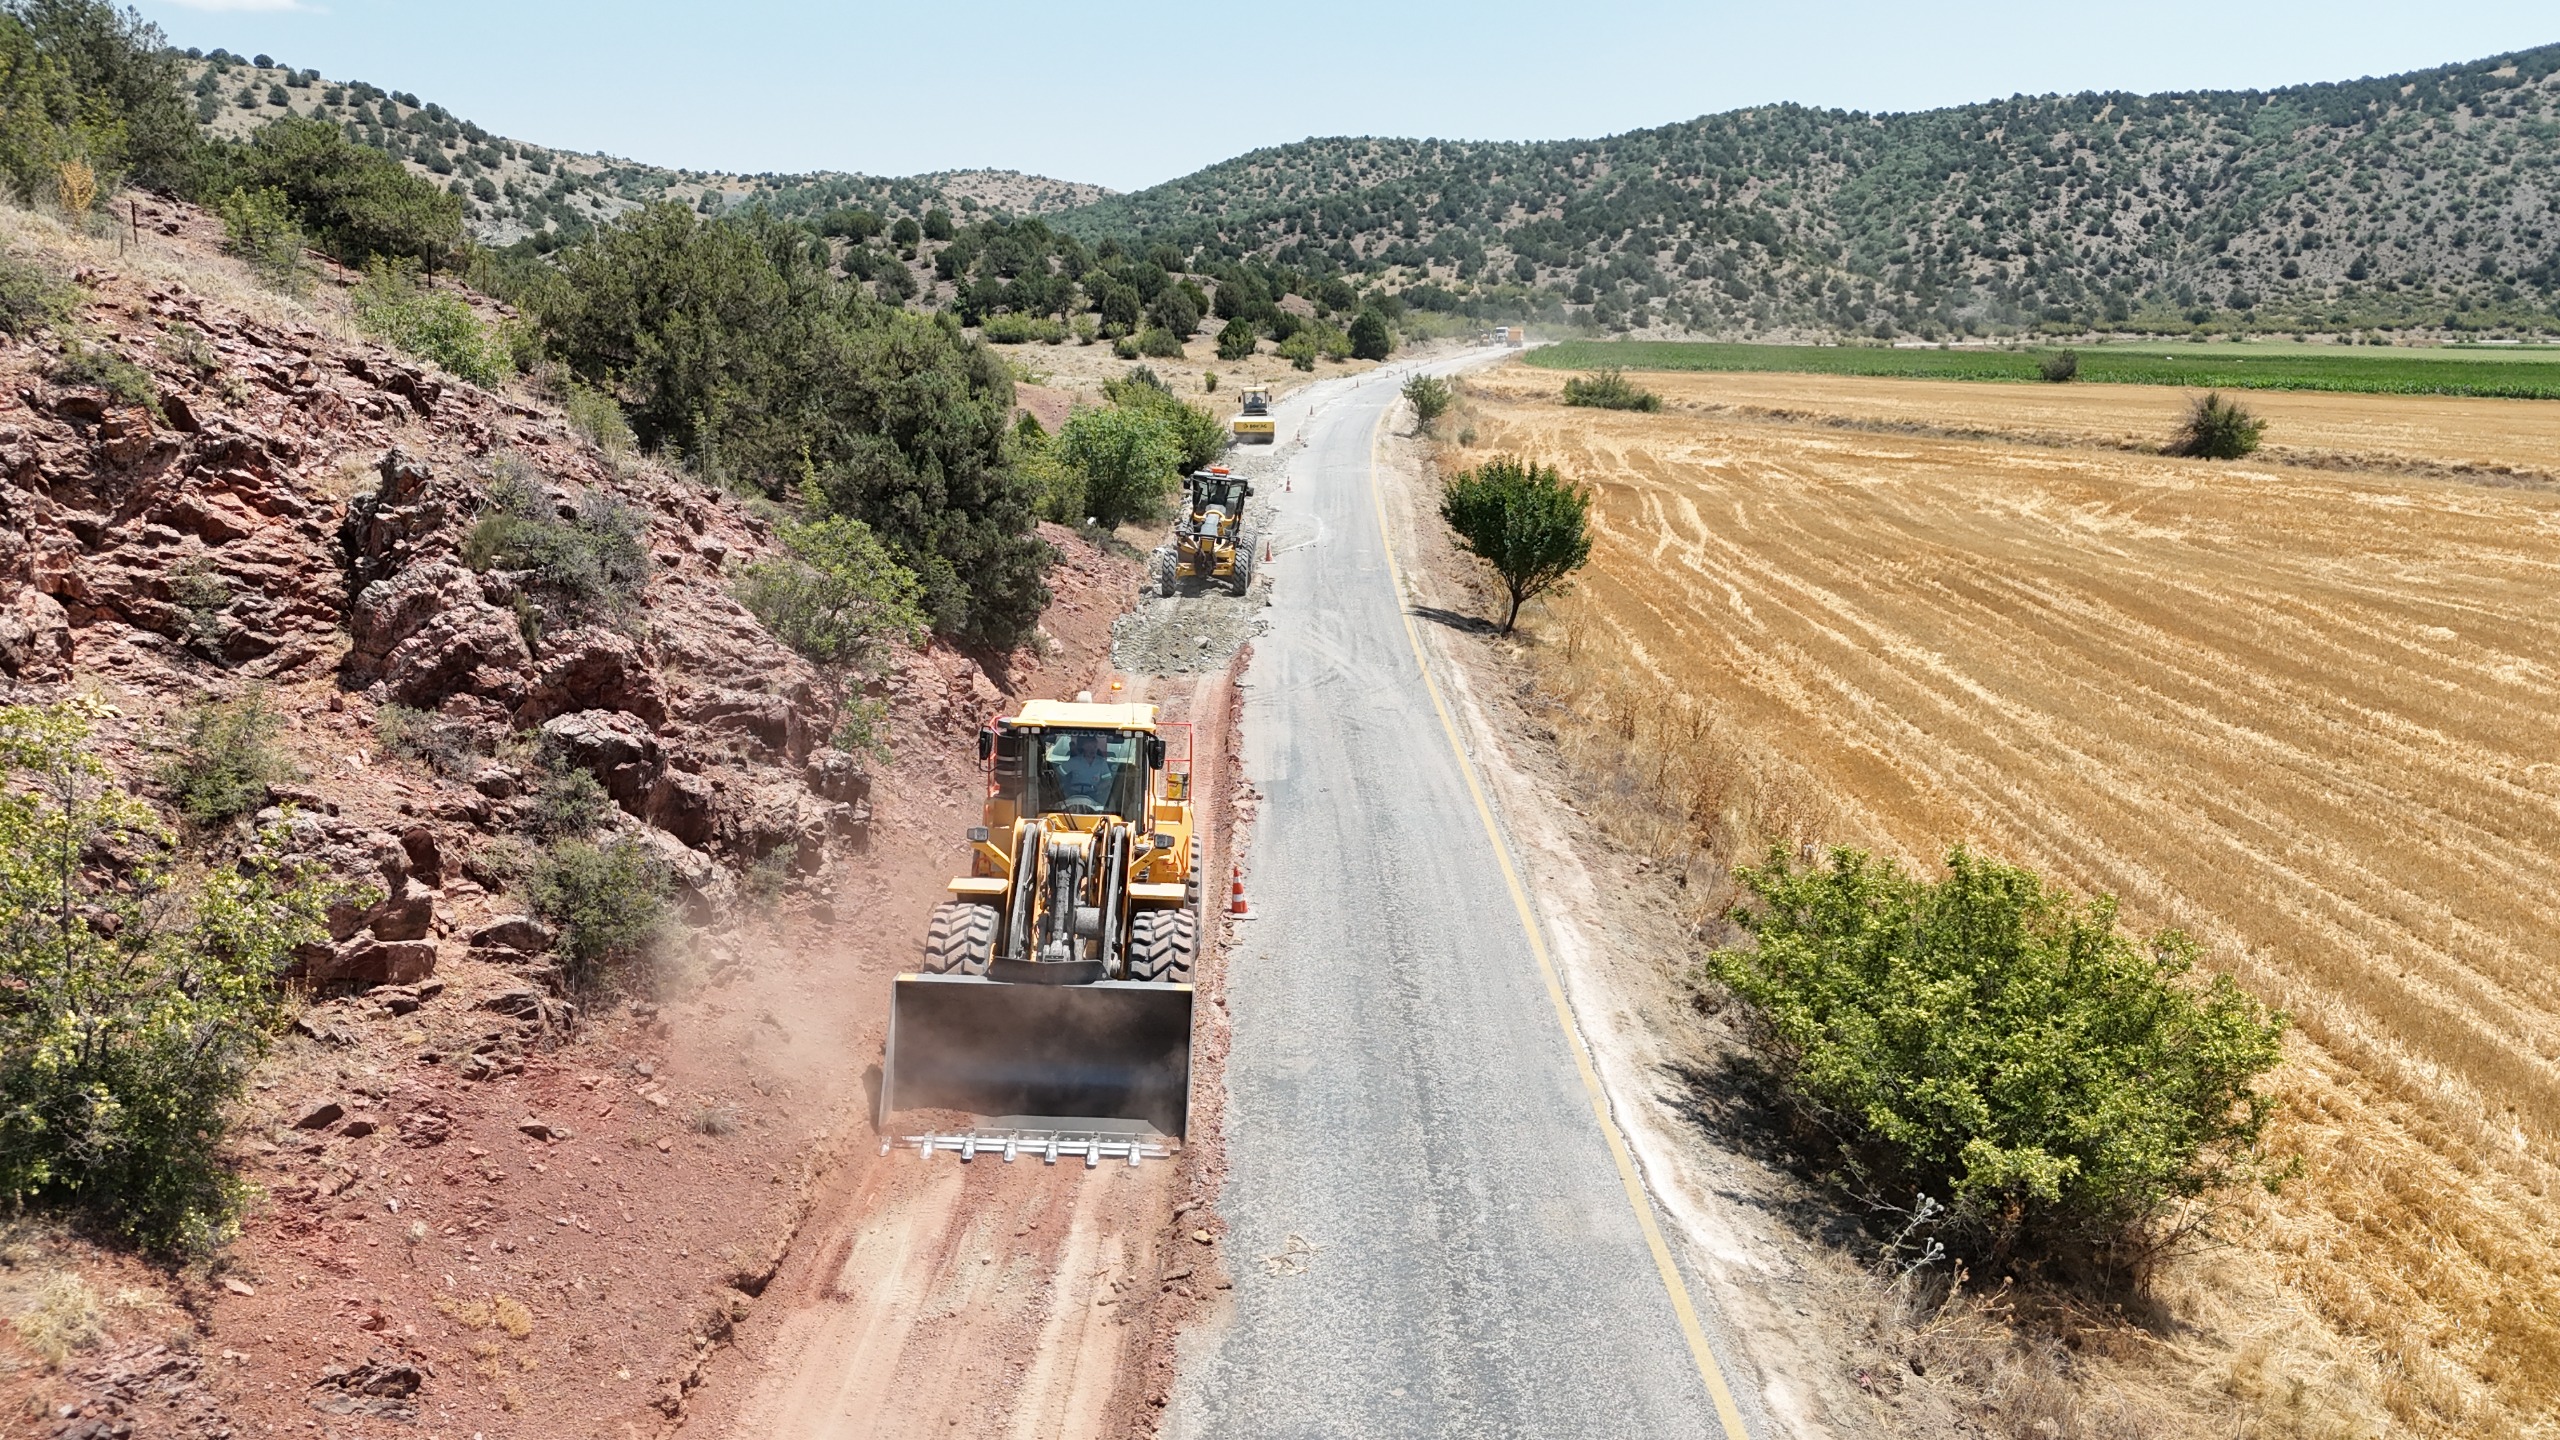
(1115, 1049)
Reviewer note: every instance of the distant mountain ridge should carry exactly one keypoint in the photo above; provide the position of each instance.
(2423, 200)
(532, 190)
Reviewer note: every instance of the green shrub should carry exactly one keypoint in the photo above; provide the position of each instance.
(1370, 337)
(84, 364)
(838, 598)
(2059, 368)
(435, 325)
(607, 904)
(227, 759)
(1524, 520)
(1235, 340)
(1609, 390)
(1300, 349)
(1990, 1043)
(257, 226)
(1017, 329)
(1126, 459)
(186, 344)
(202, 593)
(1157, 343)
(594, 414)
(567, 803)
(138, 1001)
(2217, 429)
(1199, 435)
(424, 738)
(32, 298)
(595, 563)
(1430, 397)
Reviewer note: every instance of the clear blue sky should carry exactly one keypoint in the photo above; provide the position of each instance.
(1126, 95)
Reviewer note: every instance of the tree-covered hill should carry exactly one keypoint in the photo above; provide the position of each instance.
(514, 189)
(2426, 201)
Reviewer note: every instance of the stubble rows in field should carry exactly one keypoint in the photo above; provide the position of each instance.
(2303, 714)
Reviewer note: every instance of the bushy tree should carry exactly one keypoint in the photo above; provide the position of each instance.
(1430, 397)
(2217, 429)
(1198, 436)
(1990, 1043)
(1127, 458)
(728, 344)
(227, 759)
(2059, 368)
(1609, 390)
(358, 204)
(1370, 337)
(1174, 311)
(1236, 338)
(1523, 519)
(138, 994)
(84, 82)
(838, 597)
(607, 902)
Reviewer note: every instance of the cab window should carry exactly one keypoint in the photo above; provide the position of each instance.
(1092, 772)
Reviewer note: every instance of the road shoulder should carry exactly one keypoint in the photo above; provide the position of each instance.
(1799, 1327)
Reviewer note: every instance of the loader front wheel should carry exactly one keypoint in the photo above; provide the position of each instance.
(961, 939)
(1162, 944)
(1242, 579)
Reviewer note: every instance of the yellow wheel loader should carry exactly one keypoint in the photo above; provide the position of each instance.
(1057, 977)
(1210, 538)
(1253, 424)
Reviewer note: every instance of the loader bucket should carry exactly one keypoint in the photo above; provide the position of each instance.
(1116, 1048)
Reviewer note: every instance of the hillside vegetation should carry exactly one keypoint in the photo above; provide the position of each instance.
(514, 190)
(2420, 201)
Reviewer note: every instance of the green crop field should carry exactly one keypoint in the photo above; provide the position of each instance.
(2508, 371)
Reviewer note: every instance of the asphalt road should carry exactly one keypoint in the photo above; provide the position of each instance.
(1428, 1231)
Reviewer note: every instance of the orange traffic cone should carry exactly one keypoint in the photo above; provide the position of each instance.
(1238, 908)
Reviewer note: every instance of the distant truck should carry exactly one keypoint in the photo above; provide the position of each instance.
(1253, 424)
(1501, 334)
(1514, 336)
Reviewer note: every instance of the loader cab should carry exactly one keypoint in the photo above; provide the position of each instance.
(1077, 771)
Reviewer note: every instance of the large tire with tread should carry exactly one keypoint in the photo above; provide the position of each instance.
(961, 939)
(1161, 945)
(1242, 579)
(1191, 884)
(1168, 572)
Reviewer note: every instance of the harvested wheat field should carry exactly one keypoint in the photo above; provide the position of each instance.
(2311, 715)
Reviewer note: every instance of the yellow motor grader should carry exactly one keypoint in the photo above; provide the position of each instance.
(1057, 977)
(1210, 538)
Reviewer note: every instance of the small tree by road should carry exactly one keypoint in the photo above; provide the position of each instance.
(1430, 397)
(1523, 519)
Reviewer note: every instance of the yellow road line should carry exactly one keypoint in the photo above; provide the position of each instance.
(1637, 1200)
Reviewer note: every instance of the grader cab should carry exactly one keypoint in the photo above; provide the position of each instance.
(1211, 541)
(1057, 977)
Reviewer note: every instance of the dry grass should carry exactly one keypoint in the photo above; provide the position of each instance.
(2306, 715)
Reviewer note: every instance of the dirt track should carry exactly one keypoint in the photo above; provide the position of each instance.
(933, 1297)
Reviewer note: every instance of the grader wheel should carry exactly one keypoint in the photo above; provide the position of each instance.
(961, 939)
(1242, 579)
(1168, 571)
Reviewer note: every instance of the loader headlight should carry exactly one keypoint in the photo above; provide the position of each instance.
(978, 833)
(1160, 841)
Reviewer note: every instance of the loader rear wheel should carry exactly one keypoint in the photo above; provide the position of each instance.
(1168, 572)
(1191, 883)
(961, 939)
(1161, 944)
